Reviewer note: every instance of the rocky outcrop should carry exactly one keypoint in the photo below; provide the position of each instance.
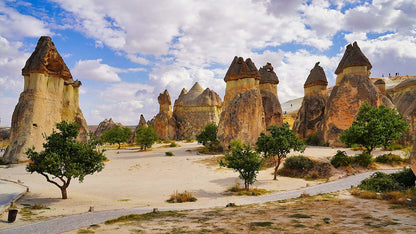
(50, 95)
(164, 123)
(195, 109)
(312, 110)
(353, 88)
(242, 117)
(105, 125)
(268, 89)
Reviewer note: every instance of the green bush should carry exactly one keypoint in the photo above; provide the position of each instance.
(389, 158)
(394, 147)
(298, 163)
(364, 159)
(173, 144)
(379, 182)
(313, 140)
(340, 159)
(169, 153)
(405, 178)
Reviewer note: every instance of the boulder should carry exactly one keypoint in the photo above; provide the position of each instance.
(50, 95)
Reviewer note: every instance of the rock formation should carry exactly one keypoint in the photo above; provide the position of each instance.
(268, 89)
(312, 110)
(142, 123)
(164, 123)
(353, 88)
(105, 125)
(50, 95)
(242, 117)
(195, 109)
(404, 98)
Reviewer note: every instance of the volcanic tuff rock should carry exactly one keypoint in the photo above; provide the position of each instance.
(312, 110)
(164, 122)
(353, 88)
(242, 117)
(195, 109)
(50, 95)
(105, 125)
(268, 89)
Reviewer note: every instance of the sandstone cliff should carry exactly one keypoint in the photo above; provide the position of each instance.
(164, 123)
(268, 89)
(50, 95)
(242, 117)
(105, 125)
(312, 110)
(195, 109)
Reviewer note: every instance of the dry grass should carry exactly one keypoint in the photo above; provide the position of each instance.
(240, 191)
(211, 161)
(181, 197)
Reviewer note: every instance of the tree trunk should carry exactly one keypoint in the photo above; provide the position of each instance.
(119, 145)
(246, 186)
(64, 193)
(275, 169)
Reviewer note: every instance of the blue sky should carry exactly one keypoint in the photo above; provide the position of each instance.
(127, 52)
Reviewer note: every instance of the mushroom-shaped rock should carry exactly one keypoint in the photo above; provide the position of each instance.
(353, 57)
(240, 69)
(268, 75)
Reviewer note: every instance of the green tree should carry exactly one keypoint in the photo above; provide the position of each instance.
(374, 127)
(243, 160)
(116, 135)
(278, 144)
(146, 137)
(65, 158)
(208, 134)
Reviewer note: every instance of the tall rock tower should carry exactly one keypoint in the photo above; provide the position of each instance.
(195, 109)
(50, 95)
(242, 116)
(352, 89)
(312, 110)
(268, 89)
(164, 123)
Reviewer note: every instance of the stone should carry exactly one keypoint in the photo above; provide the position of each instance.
(50, 95)
(352, 89)
(273, 114)
(106, 124)
(164, 122)
(312, 110)
(195, 109)
(242, 117)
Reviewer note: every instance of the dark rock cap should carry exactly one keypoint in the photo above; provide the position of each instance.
(268, 75)
(46, 59)
(380, 81)
(240, 69)
(316, 77)
(353, 57)
(164, 98)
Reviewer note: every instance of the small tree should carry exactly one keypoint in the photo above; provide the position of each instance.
(208, 137)
(116, 135)
(244, 160)
(65, 158)
(374, 127)
(146, 137)
(278, 144)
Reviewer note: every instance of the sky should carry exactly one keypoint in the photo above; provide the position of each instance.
(127, 52)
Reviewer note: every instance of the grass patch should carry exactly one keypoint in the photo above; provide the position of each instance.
(143, 217)
(211, 161)
(181, 197)
(240, 191)
(300, 216)
(124, 200)
(261, 224)
(84, 231)
(304, 167)
(389, 158)
(169, 153)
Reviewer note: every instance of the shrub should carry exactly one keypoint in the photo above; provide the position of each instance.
(394, 147)
(405, 178)
(364, 159)
(189, 140)
(313, 140)
(182, 197)
(169, 153)
(340, 159)
(379, 182)
(173, 144)
(389, 158)
(298, 163)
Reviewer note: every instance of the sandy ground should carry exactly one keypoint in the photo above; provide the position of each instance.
(133, 179)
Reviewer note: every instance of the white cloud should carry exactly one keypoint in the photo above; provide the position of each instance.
(137, 59)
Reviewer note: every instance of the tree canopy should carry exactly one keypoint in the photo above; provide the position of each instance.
(146, 137)
(65, 158)
(116, 135)
(374, 127)
(278, 143)
(244, 160)
(208, 137)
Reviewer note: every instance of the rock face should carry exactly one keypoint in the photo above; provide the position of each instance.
(268, 90)
(105, 125)
(164, 123)
(242, 117)
(404, 98)
(195, 109)
(50, 95)
(312, 110)
(353, 88)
